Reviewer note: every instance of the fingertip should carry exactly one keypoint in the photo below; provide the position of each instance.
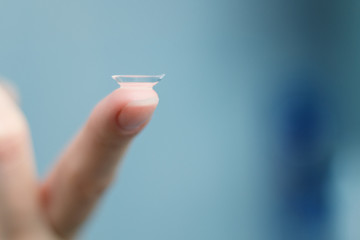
(127, 95)
(136, 114)
(123, 113)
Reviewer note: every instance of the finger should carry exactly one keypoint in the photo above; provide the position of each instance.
(18, 200)
(88, 165)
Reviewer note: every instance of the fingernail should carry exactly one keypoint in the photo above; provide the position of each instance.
(136, 113)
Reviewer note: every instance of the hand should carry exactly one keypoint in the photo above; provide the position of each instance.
(55, 208)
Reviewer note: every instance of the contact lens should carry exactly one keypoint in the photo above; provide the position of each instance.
(137, 81)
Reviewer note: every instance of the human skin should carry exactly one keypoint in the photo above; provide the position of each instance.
(55, 208)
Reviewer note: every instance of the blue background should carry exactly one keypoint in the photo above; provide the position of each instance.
(200, 170)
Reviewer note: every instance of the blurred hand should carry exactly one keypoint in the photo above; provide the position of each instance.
(56, 208)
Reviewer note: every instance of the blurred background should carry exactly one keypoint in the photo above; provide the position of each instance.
(256, 134)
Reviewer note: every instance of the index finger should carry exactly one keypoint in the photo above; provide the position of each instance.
(88, 165)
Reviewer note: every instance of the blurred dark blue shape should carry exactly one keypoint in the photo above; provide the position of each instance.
(306, 128)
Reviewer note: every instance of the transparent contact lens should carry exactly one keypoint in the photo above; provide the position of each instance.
(137, 81)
